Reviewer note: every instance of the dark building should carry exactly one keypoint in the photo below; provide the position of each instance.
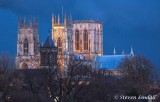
(48, 53)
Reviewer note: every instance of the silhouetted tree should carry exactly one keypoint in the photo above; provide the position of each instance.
(138, 74)
(8, 77)
(63, 86)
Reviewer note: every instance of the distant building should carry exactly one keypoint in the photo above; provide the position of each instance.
(81, 39)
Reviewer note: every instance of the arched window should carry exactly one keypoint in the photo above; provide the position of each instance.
(98, 44)
(59, 43)
(24, 66)
(25, 47)
(85, 40)
(77, 40)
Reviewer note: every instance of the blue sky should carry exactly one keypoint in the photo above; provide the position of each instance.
(125, 22)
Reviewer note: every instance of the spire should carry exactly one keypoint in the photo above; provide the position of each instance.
(24, 22)
(31, 24)
(58, 19)
(49, 42)
(132, 53)
(65, 20)
(123, 52)
(53, 20)
(114, 52)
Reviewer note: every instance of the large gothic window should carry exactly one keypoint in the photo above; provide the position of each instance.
(25, 47)
(59, 43)
(77, 40)
(85, 40)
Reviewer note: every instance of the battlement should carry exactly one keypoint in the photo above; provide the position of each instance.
(87, 21)
(24, 23)
(60, 21)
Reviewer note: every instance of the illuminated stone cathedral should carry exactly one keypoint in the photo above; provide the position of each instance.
(80, 37)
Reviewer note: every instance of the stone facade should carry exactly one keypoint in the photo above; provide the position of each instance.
(81, 36)
(27, 44)
(88, 38)
(77, 37)
(70, 36)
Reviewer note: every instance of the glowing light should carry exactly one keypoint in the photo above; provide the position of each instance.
(59, 27)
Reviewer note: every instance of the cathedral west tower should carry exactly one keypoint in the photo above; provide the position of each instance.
(27, 44)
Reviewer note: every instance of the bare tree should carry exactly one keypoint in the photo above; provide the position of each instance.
(6, 76)
(65, 88)
(138, 73)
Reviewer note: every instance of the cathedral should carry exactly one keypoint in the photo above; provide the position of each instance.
(78, 38)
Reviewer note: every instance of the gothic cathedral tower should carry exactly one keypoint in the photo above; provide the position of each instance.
(88, 38)
(62, 36)
(27, 44)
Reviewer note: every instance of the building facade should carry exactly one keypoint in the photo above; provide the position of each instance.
(69, 38)
(108, 65)
(83, 37)
(87, 38)
(27, 44)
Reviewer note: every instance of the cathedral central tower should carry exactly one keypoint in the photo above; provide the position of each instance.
(62, 36)
(78, 36)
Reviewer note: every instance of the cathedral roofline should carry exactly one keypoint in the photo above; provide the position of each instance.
(87, 21)
(49, 42)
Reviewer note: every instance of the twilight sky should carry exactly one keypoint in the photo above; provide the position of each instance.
(125, 22)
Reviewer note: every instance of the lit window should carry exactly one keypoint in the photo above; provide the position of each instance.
(77, 40)
(85, 39)
(59, 43)
(25, 47)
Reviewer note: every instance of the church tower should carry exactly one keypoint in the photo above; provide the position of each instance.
(27, 44)
(62, 36)
(88, 38)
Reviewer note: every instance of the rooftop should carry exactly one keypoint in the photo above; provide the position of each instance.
(87, 21)
(49, 42)
(109, 61)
